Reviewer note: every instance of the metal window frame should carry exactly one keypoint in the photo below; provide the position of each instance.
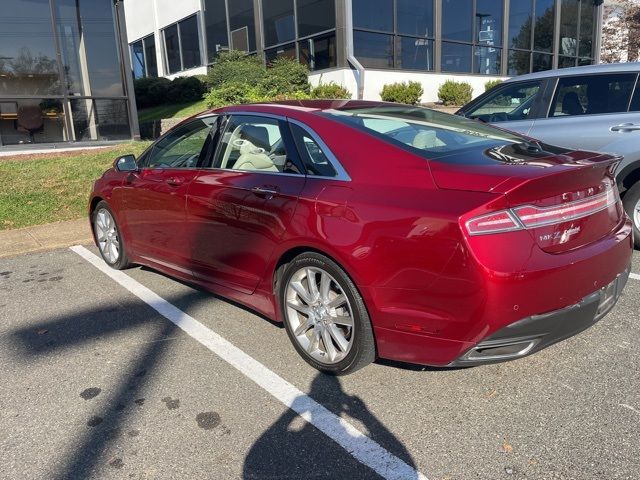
(178, 25)
(144, 51)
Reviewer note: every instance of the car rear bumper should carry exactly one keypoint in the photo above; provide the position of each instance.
(536, 332)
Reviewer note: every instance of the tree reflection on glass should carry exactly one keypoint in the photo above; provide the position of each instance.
(29, 74)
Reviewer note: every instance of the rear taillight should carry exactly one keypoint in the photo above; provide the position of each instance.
(497, 222)
(529, 216)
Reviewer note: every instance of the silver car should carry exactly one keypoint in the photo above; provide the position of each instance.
(596, 107)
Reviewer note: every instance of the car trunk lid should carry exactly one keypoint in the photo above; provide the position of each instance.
(565, 199)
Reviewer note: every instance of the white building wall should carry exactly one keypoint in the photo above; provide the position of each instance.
(374, 80)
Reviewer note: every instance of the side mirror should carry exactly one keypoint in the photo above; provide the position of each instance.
(126, 163)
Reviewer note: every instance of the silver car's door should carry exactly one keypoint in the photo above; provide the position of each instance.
(590, 112)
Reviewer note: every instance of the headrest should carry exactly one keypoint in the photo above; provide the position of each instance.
(259, 136)
(425, 139)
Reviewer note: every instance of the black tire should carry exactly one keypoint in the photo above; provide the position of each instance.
(630, 201)
(363, 350)
(122, 262)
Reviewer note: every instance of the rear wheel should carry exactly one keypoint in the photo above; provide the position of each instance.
(631, 203)
(325, 316)
(108, 237)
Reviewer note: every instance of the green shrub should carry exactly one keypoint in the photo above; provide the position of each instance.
(232, 93)
(236, 67)
(285, 75)
(151, 92)
(491, 84)
(329, 91)
(185, 89)
(455, 93)
(409, 92)
(204, 79)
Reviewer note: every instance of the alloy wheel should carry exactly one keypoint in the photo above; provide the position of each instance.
(320, 315)
(636, 215)
(107, 235)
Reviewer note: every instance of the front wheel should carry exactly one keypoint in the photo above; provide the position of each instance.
(108, 237)
(631, 203)
(325, 316)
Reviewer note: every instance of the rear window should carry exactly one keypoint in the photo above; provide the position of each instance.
(426, 132)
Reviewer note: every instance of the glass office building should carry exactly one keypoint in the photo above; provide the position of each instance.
(62, 72)
(469, 38)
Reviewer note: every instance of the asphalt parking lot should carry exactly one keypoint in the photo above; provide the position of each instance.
(96, 383)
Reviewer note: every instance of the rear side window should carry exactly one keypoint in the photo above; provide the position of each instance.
(592, 94)
(508, 103)
(314, 158)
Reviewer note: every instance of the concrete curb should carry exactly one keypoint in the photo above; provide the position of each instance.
(44, 237)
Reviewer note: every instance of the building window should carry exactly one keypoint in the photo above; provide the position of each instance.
(242, 25)
(576, 33)
(215, 18)
(89, 48)
(318, 53)
(56, 55)
(182, 45)
(286, 51)
(279, 22)
(394, 33)
(315, 16)
(532, 29)
(472, 36)
(143, 58)
(27, 51)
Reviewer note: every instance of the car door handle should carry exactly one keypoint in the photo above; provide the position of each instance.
(175, 181)
(625, 127)
(266, 192)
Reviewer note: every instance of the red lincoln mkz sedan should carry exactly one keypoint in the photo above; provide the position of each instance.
(375, 229)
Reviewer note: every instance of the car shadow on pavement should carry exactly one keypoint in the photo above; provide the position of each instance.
(290, 449)
(121, 398)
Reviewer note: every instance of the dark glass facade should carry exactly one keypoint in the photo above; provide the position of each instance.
(482, 37)
(475, 37)
(60, 71)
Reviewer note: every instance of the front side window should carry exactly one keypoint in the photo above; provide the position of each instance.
(254, 144)
(506, 103)
(182, 148)
(592, 94)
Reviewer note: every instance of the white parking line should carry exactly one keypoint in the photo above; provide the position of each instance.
(635, 276)
(356, 443)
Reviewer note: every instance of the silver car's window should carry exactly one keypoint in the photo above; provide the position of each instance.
(592, 94)
(508, 103)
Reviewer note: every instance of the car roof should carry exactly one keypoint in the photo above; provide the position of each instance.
(584, 70)
(303, 106)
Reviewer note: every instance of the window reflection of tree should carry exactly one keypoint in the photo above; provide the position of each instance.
(29, 73)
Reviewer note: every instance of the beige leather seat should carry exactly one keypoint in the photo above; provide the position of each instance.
(254, 158)
(426, 139)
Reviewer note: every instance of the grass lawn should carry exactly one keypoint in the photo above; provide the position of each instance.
(37, 189)
(178, 110)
